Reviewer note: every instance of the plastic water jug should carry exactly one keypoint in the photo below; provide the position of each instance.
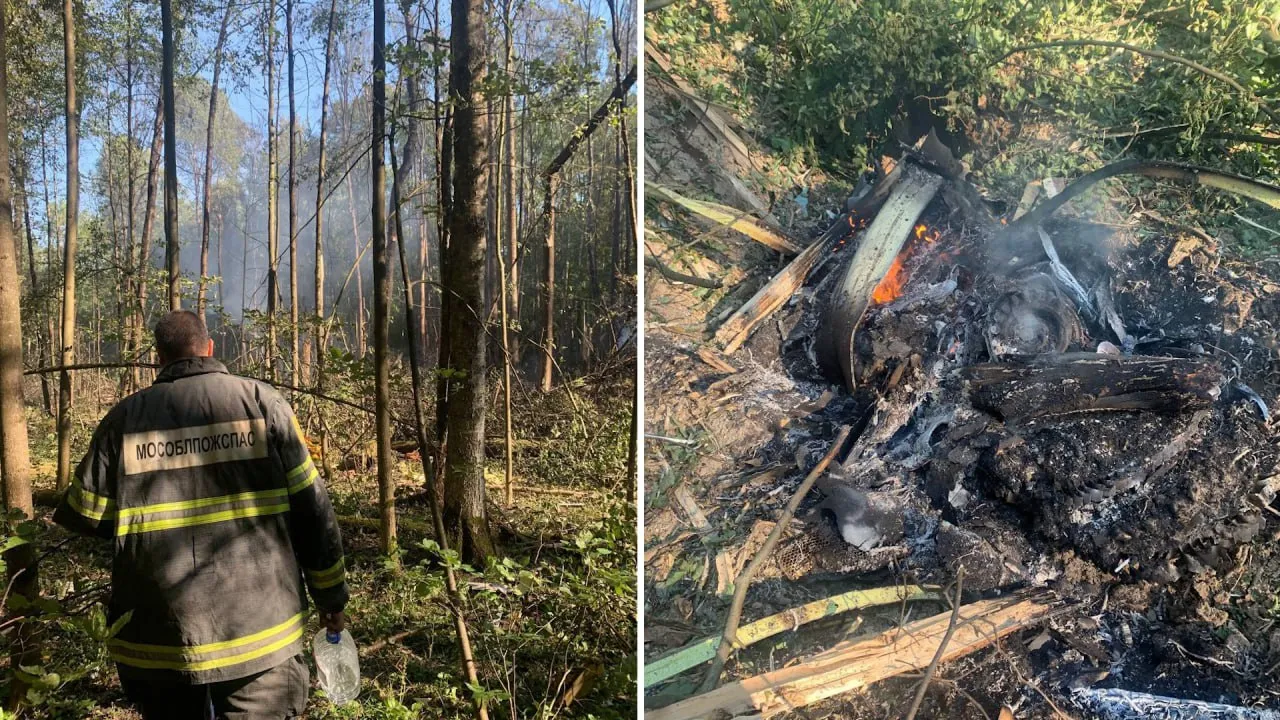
(337, 665)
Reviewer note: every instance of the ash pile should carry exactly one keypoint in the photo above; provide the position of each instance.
(1051, 401)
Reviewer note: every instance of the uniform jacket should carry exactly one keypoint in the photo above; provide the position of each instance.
(220, 524)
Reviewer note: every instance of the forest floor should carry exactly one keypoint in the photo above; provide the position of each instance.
(727, 446)
(552, 623)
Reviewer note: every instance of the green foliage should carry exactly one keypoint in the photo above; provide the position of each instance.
(75, 615)
(580, 431)
(831, 79)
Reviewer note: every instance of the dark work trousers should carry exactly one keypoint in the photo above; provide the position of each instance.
(275, 694)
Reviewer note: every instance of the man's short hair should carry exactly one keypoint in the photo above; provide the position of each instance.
(181, 334)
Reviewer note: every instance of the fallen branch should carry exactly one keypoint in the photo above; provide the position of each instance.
(700, 651)
(738, 328)
(709, 356)
(1238, 184)
(679, 277)
(727, 217)
(942, 648)
(729, 640)
(1263, 138)
(856, 664)
(716, 124)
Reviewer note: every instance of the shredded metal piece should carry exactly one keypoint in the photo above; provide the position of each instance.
(1251, 395)
(1116, 704)
(1064, 276)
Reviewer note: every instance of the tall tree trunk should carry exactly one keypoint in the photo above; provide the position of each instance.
(464, 510)
(41, 347)
(15, 462)
(273, 196)
(509, 170)
(623, 147)
(415, 373)
(322, 329)
(447, 301)
(244, 274)
(443, 114)
(170, 159)
(362, 342)
(51, 246)
(381, 286)
(549, 285)
(130, 378)
(412, 77)
(208, 161)
(69, 245)
(294, 330)
(503, 298)
(148, 229)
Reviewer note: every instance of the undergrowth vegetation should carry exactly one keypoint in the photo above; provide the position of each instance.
(553, 623)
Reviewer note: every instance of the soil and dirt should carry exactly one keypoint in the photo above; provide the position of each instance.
(1156, 525)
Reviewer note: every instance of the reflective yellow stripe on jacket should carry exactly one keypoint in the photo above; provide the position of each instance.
(210, 656)
(92, 506)
(301, 477)
(322, 579)
(187, 513)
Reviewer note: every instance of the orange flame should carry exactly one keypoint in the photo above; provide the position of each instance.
(891, 287)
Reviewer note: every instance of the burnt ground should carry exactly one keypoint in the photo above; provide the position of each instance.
(1168, 561)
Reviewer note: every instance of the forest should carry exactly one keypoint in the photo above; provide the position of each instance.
(415, 222)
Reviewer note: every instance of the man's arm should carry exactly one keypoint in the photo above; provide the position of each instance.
(89, 504)
(317, 541)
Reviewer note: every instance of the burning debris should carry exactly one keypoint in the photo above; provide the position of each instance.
(1027, 395)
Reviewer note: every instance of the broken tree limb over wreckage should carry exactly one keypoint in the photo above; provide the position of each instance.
(856, 664)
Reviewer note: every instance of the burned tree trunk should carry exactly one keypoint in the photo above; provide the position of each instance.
(1075, 382)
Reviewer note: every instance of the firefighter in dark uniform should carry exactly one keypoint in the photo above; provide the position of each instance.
(221, 525)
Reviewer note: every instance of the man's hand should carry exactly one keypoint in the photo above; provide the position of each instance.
(334, 621)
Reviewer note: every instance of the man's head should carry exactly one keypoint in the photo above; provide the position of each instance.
(181, 334)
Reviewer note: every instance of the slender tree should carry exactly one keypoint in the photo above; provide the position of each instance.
(509, 172)
(273, 192)
(322, 330)
(381, 285)
(464, 510)
(41, 347)
(293, 201)
(170, 158)
(148, 227)
(15, 461)
(69, 244)
(437, 518)
(208, 159)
